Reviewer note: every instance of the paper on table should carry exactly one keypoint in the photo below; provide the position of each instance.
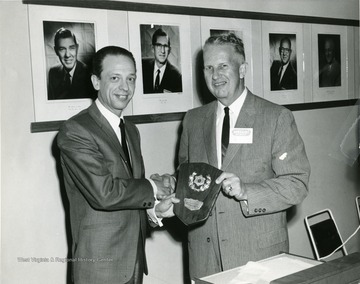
(265, 272)
(251, 273)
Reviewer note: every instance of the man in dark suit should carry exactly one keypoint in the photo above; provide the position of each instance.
(283, 74)
(159, 75)
(110, 199)
(265, 169)
(330, 73)
(71, 78)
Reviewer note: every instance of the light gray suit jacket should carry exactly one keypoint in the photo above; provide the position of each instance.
(107, 202)
(274, 170)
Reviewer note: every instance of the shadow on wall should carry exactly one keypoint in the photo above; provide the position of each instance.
(56, 154)
(201, 89)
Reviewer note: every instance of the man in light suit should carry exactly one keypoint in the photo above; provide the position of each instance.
(159, 75)
(283, 74)
(71, 78)
(104, 179)
(265, 168)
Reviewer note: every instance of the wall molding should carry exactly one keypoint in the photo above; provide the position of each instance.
(192, 11)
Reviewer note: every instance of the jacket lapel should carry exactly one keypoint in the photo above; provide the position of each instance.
(209, 133)
(245, 119)
(107, 129)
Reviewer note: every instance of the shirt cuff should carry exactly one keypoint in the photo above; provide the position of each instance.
(151, 212)
(153, 186)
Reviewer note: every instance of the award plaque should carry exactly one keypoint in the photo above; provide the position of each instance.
(197, 191)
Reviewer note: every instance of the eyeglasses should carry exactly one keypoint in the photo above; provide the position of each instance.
(285, 50)
(160, 46)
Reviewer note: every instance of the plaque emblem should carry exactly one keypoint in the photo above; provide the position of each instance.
(198, 182)
(193, 204)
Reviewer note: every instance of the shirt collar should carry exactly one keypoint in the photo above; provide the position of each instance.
(235, 107)
(162, 69)
(286, 65)
(112, 118)
(72, 71)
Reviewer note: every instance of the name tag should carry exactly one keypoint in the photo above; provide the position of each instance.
(241, 135)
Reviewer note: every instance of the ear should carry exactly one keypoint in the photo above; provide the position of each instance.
(96, 82)
(242, 70)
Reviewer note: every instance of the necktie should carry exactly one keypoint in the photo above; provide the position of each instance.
(157, 80)
(225, 133)
(279, 74)
(123, 142)
(67, 80)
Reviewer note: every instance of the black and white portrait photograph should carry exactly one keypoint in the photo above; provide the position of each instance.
(69, 48)
(161, 59)
(283, 71)
(329, 60)
(161, 47)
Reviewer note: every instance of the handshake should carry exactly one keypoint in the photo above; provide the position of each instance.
(165, 185)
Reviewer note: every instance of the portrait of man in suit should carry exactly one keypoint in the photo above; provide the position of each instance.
(111, 201)
(283, 74)
(160, 75)
(257, 145)
(329, 60)
(68, 77)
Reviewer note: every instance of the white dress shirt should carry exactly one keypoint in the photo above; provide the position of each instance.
(234, 111)
(162, 71)
(114, 122)
(283, 70)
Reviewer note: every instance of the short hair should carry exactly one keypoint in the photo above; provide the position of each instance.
(159, 32)
(63, 33)
(97, 62)
(227, 39)
(285, 39)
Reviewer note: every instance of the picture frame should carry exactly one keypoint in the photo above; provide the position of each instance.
(113, 17)
(335, 38)
(90, 29)
(177, 28)
(244, 29)
(273, 35)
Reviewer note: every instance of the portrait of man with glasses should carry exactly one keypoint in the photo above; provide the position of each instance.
(283, 75)
(159, 74)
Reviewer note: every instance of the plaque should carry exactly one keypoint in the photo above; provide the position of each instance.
(197, 191)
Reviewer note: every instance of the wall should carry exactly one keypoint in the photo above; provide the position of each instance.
(33, 216)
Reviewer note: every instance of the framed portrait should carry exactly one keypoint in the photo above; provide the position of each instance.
(330, 63)
(244, 29)
(63, 42)
(283, 62)
(161, 47)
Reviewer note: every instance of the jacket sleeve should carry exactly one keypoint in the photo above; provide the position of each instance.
(101, 178)
(291, 168)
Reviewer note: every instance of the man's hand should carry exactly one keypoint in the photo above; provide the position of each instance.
(232, 186)
(165, 209)
(165, 185)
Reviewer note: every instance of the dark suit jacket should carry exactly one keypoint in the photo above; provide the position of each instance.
(274, 170)
(107, 202)
(330, 75)
(288, 81)
(171, 81)
(81, 86)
